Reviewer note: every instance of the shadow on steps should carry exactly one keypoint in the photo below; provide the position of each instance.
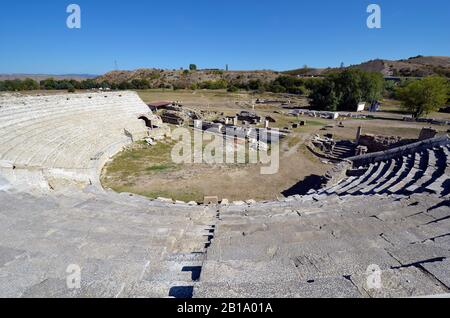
(312, 182)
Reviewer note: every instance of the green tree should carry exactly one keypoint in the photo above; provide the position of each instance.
(124, 85)
(290, 84)
(256, 85)
(28, 84)
(424, 96)
(192, 67)
(232, 89)
(390, 88)
(324, 96)
(348, 84)
(103, 84)
(89, 84)
(344, 90)
(139, 84)
(48, 83)
(372, 85)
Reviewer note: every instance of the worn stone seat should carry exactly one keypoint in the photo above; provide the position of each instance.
(364, 186)
(357, 181)
(382, 177)
(335, 244)
(120, 242)
(76, 132)
(395, 216)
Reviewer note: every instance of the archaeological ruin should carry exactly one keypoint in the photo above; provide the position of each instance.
(386, 212)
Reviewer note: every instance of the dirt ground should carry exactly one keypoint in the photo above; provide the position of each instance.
(187, 182)
(408, 130)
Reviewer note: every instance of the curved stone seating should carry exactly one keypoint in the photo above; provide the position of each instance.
(394, 213)
(424, 171)
(325, 249)
(442, 184)
(73, 132)
(362, 187)
(45, 129)
(408, 175)
(401, 169)
(382, 177)
(357, 181)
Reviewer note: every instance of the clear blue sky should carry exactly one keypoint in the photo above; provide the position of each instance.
(246, 34)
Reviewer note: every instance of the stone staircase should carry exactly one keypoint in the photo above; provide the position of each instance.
(126, 246)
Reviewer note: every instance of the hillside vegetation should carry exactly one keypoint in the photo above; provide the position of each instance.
(419, 66)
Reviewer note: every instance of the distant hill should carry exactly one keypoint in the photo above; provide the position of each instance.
(418, 66)
(307, 71)
(184, 78)
(40, 77)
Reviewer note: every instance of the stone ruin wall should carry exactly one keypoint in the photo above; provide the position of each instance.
(381, 143)
(399, 151)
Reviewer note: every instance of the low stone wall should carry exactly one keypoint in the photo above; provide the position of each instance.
(382, 143)
(320, 155)
(399, 151)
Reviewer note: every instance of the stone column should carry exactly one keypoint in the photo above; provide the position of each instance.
(358, 134)
(198, 124)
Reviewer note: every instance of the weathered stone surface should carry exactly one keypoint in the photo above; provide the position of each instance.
(208, 200)
(393, 213)
(402, 282)
(440, 270)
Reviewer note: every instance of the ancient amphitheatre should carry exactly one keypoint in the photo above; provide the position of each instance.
(386, 209)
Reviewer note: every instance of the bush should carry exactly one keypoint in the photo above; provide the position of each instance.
(139, 84)
(218, 84)
(232, 89)
(256, 85)
(19, 85)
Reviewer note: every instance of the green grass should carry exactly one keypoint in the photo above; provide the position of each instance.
(142, 159)
(160, 168)
(315, 123)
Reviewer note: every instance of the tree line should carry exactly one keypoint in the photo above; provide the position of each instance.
(29, 84)
(339, 91)
(342, 91)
